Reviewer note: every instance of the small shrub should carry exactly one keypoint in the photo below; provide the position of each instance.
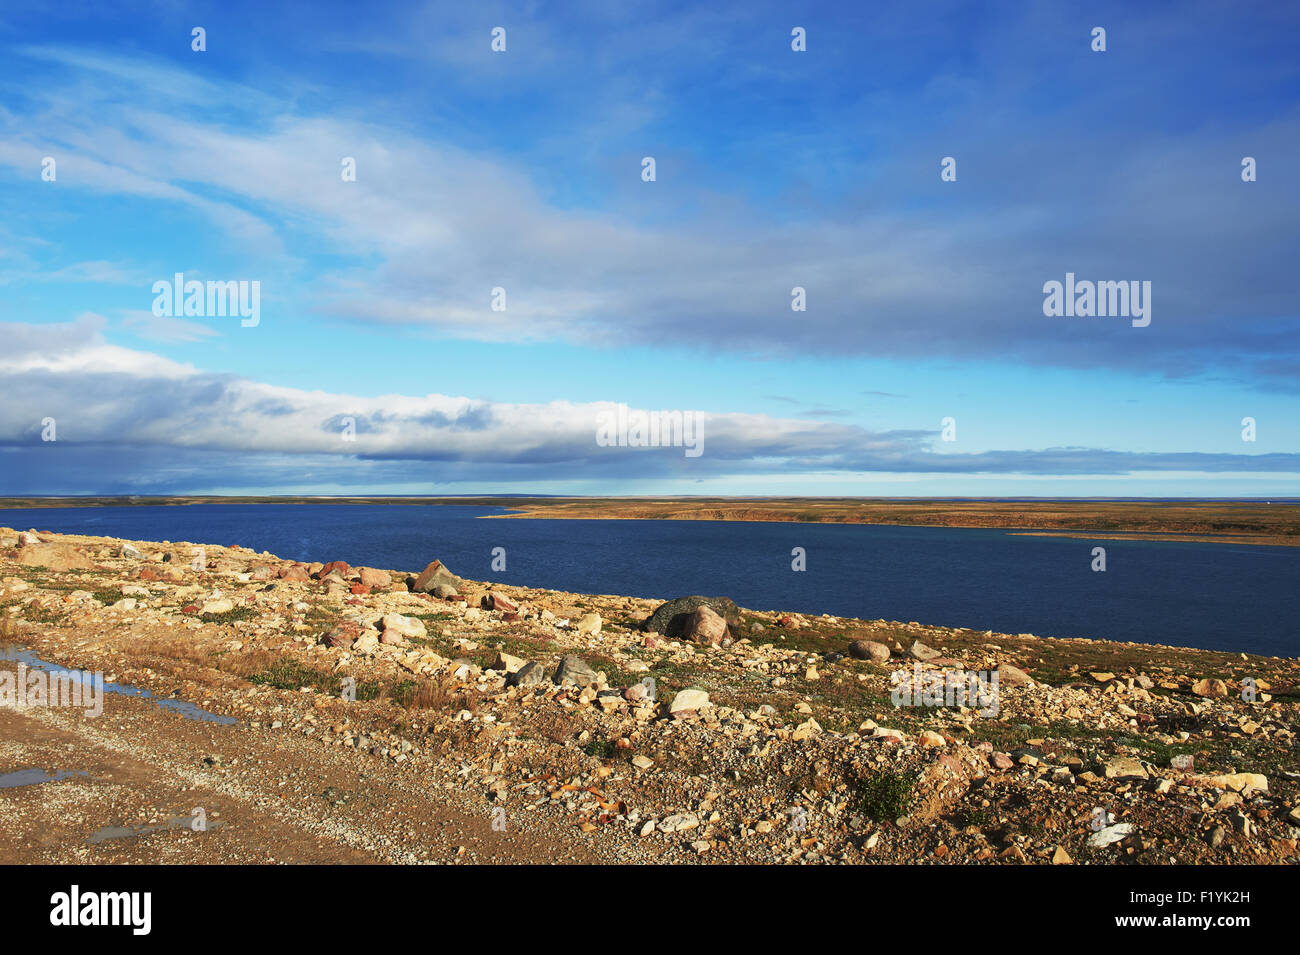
(886, 795)
(600, 748)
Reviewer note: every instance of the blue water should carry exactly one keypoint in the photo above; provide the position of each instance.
(1213, 596)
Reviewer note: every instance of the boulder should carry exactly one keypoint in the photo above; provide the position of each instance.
(342, 636)
(505, 663)
(704, 625)
(1210, 688)
(919, 651)
(688, 701)
(496, 601)
(589, 623)
(869, 650)
(1236, 782)
(375, 578)
(432, 576)
(1110, 834)
(1124, 767)
(576, 670)
(405, 626)
(806, 730)
(1013, 676)
(527, 675)
(340, 565)
(670, 617)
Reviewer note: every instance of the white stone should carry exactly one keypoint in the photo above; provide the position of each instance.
(688, 700)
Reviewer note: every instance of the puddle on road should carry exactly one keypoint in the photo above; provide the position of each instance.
(22, 655)
(110, 833)
(33, 777)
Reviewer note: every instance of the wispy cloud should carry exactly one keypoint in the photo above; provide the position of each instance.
(151, 327)
(438, 226)
(121, 407)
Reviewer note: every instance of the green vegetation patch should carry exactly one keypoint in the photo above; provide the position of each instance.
(238, 615)
(291, 675)
(886, 795)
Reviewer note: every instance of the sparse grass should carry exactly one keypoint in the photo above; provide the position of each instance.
(822, 637)
(292, 675)
(672, 677)
(1155, 751)
(448, 647)
(441, 695)
(238, 615)
(979, 817)
(44, 615)
(614, 672)
(627, 619)
(321, 617)
(164, 652)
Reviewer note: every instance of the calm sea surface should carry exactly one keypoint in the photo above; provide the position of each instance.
(1214, 596)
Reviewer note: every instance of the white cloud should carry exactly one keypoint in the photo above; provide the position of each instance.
(104, 393)
(129, 418)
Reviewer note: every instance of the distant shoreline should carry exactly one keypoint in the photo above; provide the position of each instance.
(1200, 520)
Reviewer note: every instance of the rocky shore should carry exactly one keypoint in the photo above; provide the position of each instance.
(414, 716)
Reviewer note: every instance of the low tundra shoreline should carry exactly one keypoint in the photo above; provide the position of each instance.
(545, 726)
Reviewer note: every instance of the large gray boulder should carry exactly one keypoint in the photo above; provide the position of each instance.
(672, 618)
(576, 669)
(529, 674)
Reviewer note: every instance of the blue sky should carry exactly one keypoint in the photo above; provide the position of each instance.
(774, 169)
